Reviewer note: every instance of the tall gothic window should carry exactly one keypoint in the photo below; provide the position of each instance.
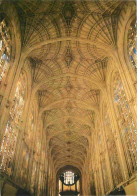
(128, 131)
(132, 44)
(9, 140)
(68, 177)
(5, 49)
(112, 149)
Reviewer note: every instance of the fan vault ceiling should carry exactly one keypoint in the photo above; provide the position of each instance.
(66, 43)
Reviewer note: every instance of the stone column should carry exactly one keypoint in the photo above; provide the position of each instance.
(115, 127)
(107, 157)
(76, 186)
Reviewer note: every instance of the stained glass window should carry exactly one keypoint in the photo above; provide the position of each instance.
(5, 49)
(128, 131)
(12, 128)
(132, 44)
(68, 177)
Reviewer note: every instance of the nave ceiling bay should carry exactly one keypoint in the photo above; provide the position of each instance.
(65, 43)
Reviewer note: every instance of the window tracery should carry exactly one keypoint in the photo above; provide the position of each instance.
(128, 131)
(132, 44)
(5, 48)
(9, 140)
(68, 177)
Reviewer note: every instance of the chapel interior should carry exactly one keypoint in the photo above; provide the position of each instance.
(68, 97)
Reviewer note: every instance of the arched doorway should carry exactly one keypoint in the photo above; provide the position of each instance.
(68, 181)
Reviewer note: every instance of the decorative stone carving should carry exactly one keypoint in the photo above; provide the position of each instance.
(68, 12)
(68, 57)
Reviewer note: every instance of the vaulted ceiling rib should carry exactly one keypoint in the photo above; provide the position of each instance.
(66, 43)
